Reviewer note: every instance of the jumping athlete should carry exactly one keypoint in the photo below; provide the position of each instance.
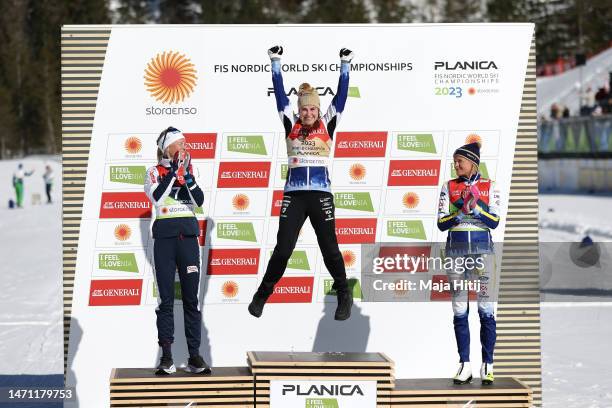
(308, 136)
(172, 188)
(469, 208)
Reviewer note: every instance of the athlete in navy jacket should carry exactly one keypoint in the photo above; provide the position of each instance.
(172, 188)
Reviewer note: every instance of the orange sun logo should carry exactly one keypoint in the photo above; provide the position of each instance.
(170, 77)
(123, 232)
(410, 200)
(349, 258)
(133, 145)
(357, 171)
(472, 91)
(230, 289)
(240, 202)
(473, 138)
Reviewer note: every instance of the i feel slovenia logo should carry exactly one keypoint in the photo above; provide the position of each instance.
(170, 77)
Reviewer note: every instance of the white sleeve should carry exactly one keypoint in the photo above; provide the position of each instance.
(443, 202)
(152, 184)
(494, 199)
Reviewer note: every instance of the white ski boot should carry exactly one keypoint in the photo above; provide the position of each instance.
(486, 374)
(464, 374)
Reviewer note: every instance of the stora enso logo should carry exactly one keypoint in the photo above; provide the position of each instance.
(170, 77)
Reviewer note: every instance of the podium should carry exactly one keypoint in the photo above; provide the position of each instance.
(268, 366)
(251, 386)
(442, 393)
(140, 387)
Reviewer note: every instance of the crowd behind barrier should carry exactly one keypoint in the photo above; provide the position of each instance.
(583, 134)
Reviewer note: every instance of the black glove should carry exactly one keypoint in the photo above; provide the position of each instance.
(346, 55)
(275, 52)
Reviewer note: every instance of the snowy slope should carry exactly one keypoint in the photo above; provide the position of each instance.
(31, 295)
(576, 332)
(567, 217)
(564, 88)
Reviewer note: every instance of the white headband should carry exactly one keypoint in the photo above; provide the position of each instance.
(170, 138)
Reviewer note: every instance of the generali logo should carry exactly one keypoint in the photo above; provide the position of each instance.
(414, 173)
(243, 174)
(123, 232)
(361, 144)
(202, 234)
(170, 77)
(116, 292)
(356, 230)
(410, 200)
(201, 145)
(277, 202)
(441, 281)
(243, 261)
(132, 145)
(125, 205)
(293, 289)
(240, 202)
(417, 254)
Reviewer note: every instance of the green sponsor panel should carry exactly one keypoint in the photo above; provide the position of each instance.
(321, 403)
(406, 229)
(178, 295)
(353, 284)
(240, 231)
(353, 92)
(354, 201)
(284, 169)
(199, 210)
(298, 260)
(251, 144)
(128, 174)
(482, 168)
(124, 262)
(422, 143)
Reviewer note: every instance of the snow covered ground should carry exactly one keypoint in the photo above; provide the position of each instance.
(575, 335)
(31, 295)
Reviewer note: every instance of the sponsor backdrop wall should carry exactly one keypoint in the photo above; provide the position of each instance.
(416, 94)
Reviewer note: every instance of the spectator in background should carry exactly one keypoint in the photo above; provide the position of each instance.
(602, 97)
(18, 177)
(587, 102)
(48, 178)
(566, 112)
(554, 111)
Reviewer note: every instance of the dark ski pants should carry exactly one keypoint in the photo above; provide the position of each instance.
(461, 307)
(182, 254)
(48, 191)
(296, 207)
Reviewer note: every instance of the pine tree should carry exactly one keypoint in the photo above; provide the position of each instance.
(134, 12)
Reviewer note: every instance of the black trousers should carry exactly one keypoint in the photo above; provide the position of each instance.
(170, 254)
(296, 207)
(48, 191)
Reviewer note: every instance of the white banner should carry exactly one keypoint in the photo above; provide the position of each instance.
(416, 93)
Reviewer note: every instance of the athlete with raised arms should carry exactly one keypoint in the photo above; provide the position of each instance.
(307, 193)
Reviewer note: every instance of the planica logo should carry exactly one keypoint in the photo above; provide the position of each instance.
(463, 65)
(322, 390)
